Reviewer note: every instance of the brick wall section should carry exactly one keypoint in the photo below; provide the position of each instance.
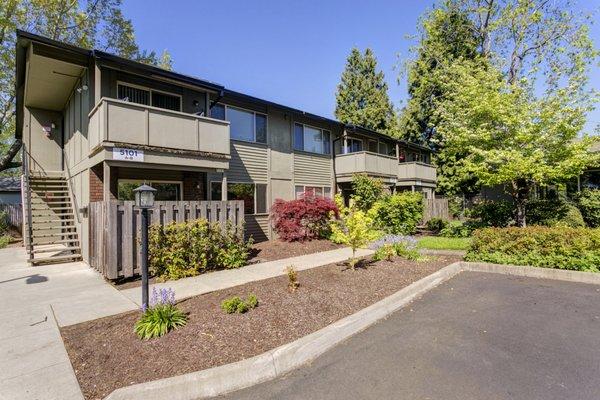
(194, 186)
(96, 185)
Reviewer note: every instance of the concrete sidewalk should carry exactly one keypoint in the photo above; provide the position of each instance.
(218, 280)
(35, 301)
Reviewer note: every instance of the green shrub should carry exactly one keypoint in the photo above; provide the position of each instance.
(292, 275)
(497, 213)
(366, 191)
(399, 213)
(588, 202)
(179, 250)
(237, 305)
(4, 241)
(436, 224)
(457, 229)
(555, 212)
(550, 247)
(161, 316)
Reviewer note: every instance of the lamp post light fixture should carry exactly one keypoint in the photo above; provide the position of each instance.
(144, 199)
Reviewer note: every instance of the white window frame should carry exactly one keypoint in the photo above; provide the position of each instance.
(150, 90)
(314, 186)
(322, 142)
(227, 107)
(255, 196)
(150, 182)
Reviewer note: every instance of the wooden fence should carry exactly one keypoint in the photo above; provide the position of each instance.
(436, 208)
(14, 214)
(115, 229)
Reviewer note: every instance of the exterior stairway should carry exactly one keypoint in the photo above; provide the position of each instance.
(53, 235)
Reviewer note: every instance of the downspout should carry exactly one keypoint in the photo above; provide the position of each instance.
(333, 158)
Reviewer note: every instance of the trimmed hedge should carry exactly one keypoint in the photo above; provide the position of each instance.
(539, 246)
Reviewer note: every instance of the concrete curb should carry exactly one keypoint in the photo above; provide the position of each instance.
(281, 360)
(533, 272)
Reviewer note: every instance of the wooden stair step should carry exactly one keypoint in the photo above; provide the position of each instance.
(50, 208)
(48, 228)
(51, 221)
(51, 235)
(57, 249)
(62, 241)
(72, 257)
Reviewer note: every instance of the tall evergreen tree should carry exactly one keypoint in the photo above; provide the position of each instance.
(362, 97)
(447, 35)
(98, 24)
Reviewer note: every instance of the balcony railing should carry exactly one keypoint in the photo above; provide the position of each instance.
(119, 121)
(416, 171)
(366, 162)
(386, 167)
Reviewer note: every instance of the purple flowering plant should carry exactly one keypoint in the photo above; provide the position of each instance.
(391, 245)
(161, 316)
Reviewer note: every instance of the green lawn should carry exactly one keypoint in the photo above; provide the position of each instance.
(444, 243)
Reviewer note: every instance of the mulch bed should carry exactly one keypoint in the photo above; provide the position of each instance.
(276, 250)
(106, 354)
(261, 252)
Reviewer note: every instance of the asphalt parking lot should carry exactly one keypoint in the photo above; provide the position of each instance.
(477, 336)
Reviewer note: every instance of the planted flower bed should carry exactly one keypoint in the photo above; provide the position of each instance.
(107, 354)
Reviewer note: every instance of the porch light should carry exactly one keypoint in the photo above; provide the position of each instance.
(144, 196)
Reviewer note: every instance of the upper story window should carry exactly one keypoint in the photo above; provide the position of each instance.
(314, 140)
(244, 125)
(353, 145)
(141, 95)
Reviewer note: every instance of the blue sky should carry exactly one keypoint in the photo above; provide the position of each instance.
(287, 52)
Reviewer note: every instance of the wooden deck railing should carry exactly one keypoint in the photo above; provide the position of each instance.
(114, 229)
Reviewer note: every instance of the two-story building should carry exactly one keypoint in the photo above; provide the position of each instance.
(95, 126)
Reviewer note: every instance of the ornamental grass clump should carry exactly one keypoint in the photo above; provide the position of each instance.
(160, 316)
(390, 246)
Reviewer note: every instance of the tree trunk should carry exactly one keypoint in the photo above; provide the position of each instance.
(520, 193)
(6, 160)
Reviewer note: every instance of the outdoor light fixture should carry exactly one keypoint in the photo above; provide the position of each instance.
(144, 196)
(144, 199)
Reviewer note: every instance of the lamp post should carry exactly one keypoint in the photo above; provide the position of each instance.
(144, 199)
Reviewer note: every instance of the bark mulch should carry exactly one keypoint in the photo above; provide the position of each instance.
(261, 252)
(106, 354)
(276, 250)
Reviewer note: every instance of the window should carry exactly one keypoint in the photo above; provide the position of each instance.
(218, 112)
(354, 145)
(320, 191)
(167, 101)
(311, 139)
(165, 190)
(133, 94)
(253, 195)
(245, 125)
(373, 146)
(384, 148)
(141, 95)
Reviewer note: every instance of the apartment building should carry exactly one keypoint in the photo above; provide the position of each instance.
(95, 126)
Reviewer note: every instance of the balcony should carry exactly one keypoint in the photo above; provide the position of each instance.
(372, 164)
(416, 173)
(119, 123)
